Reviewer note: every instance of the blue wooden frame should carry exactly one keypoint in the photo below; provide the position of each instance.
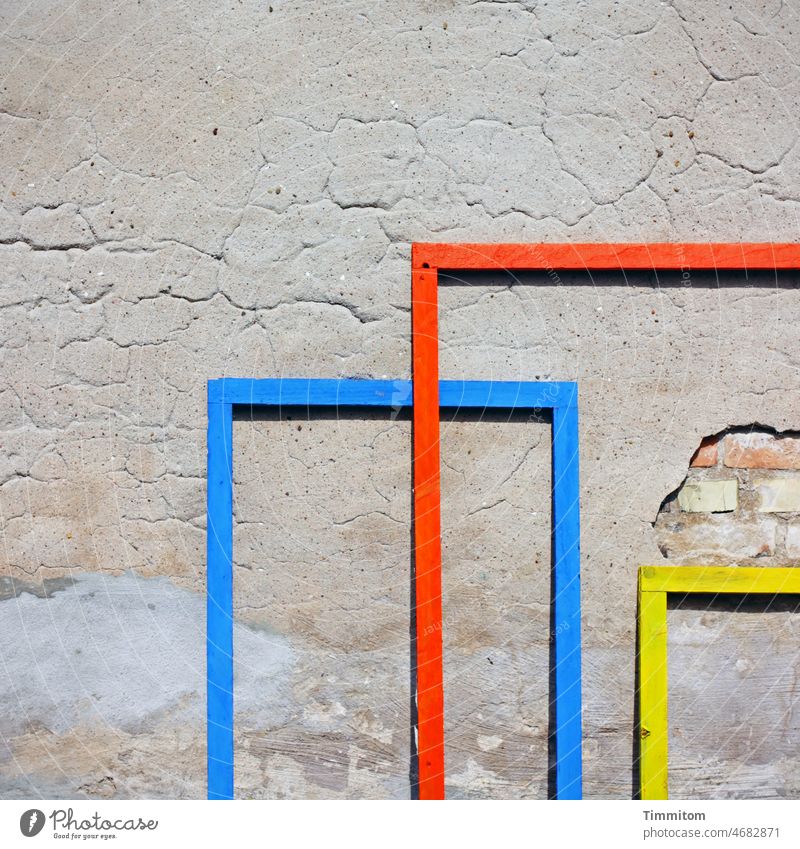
(561, 398)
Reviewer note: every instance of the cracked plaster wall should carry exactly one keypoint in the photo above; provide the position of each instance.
(191, 190)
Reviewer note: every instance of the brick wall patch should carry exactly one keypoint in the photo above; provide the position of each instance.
(708, 496)
(779, 495)
(756, 450)
(707, 454)
(739, 503)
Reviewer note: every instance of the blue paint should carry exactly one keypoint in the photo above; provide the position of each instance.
(219, 611)
(561, 398)
(567, 602)
(386, 393)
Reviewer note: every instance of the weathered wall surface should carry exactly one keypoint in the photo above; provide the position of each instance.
(733, 709)
(189, 191)
(740, 502)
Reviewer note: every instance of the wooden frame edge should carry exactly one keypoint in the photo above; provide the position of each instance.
(426, 260)
(225, 393)
(654, 584)
(632, 256)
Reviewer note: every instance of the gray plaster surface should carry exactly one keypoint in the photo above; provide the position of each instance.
(191, 190)
(733, 706)
(103, 683)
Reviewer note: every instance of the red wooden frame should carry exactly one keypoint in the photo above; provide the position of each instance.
(426, 260)
(656, 256)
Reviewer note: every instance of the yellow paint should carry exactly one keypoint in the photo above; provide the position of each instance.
(654, 584)
(719, 579)
(653, 694)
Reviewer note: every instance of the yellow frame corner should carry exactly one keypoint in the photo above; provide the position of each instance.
(654, 584)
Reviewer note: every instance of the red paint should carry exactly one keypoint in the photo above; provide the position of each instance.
(427, 533)
(591, 256)
(426, 260)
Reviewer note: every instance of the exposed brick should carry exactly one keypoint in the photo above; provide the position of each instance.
(761, 451)
(706, 454)
(779, 495)
(708, 496)
(718, 539)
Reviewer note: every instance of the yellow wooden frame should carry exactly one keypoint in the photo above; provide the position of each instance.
(654, 584)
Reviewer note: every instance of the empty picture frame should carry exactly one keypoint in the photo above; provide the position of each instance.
(226, 393)
(655, 582)
(427, 260)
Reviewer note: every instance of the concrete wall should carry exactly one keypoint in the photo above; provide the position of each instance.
(191, 190)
